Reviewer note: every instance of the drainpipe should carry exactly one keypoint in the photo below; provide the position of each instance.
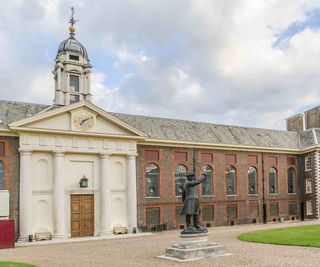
(264, 205)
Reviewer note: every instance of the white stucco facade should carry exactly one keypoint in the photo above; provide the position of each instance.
(55, 155)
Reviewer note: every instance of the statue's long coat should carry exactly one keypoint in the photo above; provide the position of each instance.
(191, 204)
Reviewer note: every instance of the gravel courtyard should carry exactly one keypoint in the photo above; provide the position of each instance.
(142, 251)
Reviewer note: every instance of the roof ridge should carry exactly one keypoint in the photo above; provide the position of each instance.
(202, 122)
(22, 102)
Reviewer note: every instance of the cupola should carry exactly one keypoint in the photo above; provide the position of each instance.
(72, 70)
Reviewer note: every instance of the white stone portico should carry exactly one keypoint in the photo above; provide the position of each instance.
(56, 153)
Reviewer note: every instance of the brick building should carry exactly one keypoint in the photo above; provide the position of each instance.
(243, 163)
(72, 169)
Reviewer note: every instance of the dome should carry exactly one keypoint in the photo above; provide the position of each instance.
(73, 45)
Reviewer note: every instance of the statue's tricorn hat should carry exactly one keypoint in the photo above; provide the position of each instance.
(189, 174)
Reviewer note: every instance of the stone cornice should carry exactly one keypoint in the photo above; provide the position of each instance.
(74, 133)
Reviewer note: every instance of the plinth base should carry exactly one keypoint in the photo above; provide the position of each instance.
(194, 247)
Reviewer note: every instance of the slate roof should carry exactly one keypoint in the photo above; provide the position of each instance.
(318, 135)
(190, 131)
(11, 111)
(180, 130)
(307, 138)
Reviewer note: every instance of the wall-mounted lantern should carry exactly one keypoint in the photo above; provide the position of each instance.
(83, 182)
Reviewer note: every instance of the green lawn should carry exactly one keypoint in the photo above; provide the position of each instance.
(308, 236)
(14, 264)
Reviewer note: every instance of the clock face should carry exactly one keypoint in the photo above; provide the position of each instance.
(83, 120)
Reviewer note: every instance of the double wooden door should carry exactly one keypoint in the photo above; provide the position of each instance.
(82, 215)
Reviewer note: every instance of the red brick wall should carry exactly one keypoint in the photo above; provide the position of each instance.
(309, 175)
(167, 200)
(11, 164)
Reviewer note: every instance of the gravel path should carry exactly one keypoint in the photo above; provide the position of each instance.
(142, 251)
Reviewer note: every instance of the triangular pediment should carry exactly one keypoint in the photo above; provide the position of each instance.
(79, 118)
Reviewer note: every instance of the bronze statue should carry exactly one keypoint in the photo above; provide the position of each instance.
(191, 204)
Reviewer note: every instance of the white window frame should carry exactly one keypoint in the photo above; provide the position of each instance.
(307, 163)
(308, 186)
(309, 207)
(79, 77)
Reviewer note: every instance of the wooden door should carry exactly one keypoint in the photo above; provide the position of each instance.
(82, 215)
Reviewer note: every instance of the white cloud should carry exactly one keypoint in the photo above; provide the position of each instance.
(191, 59)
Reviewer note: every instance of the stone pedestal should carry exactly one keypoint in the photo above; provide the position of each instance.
(194, 247)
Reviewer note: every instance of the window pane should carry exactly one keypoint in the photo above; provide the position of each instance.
(180, 179)
(1, 176)
(152, 180)
(273, 181)
(73, 57)
(180, 219)
(252, 180)
(153, 216)
(207, 213)
(291, 180)
(74, 99)
(307, 163)
(231, 181)
(308, 186)
(309, 207)
(207, 183)
(74, 83)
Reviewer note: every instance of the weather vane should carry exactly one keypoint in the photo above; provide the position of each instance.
(72, 21)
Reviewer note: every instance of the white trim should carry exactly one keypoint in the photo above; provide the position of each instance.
(7, 132)
(190, 144)
(68, 108)
(309, 210)
(74, 133)
(307, 183)
(306, 167)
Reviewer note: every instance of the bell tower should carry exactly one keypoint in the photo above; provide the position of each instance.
(72, 70)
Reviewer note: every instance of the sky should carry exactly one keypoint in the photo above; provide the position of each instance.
(250, 63)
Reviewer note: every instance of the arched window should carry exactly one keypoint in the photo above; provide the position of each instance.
(180, 178)
(291, 180)
(273, 181)
(152, 180)
(1, 175)
(252, 181)
(207, 183)
(231, 181)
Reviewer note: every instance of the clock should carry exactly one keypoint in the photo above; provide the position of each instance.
(83, 120)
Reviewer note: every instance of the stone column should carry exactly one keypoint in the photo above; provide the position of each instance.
(131, 192)
(59, 196)
(59, 79)
(105, 195)
(25, 210)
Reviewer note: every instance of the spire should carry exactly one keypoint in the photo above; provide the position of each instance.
(72, 22)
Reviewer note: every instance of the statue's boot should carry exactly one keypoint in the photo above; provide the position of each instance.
(196, 221)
